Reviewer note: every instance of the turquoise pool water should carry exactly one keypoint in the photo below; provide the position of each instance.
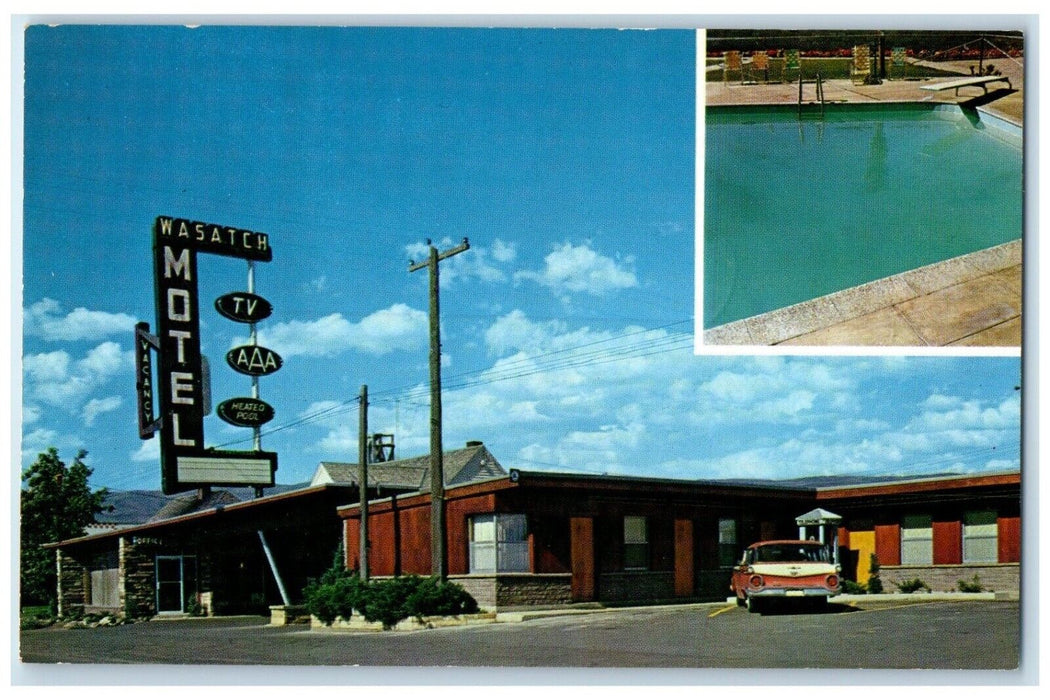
(795, 209)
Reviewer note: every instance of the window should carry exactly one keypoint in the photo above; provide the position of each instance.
(635, 542)
(499, 543)
(980, 537)
(727, 552)
(917, 539)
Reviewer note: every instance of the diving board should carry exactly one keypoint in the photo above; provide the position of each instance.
(976, 81)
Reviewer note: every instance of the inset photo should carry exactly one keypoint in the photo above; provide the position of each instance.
(861, 188)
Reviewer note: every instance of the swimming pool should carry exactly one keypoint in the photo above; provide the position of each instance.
(798, 208)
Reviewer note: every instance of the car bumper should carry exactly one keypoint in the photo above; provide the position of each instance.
(792, 593)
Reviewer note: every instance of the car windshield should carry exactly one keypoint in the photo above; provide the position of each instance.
(791, 552)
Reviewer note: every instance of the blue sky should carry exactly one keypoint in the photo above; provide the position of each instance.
(566, 157)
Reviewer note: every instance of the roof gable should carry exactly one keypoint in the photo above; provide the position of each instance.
(471, 463)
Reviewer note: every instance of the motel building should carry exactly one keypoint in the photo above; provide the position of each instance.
(525, 538)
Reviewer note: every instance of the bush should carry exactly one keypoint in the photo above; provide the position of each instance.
(973, 586)
(392, 600)
(334, 599)
(435, 597)
(339, 593)
(874, 582)
(852, 587)
(35, 617)
(912, 585)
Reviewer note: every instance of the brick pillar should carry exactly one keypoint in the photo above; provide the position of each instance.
(683, 558)
(581, 546)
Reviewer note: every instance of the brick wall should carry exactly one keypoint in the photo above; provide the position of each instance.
(992, 577)
(636, 585)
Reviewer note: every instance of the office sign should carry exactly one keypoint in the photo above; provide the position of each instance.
(243, 307)
(245, 412)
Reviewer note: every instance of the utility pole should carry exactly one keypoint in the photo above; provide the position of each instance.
(362, 480)
(438, 544)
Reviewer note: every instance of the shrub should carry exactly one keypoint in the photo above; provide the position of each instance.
(852, 587)
(335, 594)
(390, 601)
(973, 586)
(912, 585)
(36, 617)
(339, 593)
(874, 582)
(435, 597)
(338, 597)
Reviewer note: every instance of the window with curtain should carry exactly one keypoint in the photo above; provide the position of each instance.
(727, 545)
(980, 537)
(499, 543)
(917, 539)
(635, 542)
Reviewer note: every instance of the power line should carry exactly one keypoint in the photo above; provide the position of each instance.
(551, 361)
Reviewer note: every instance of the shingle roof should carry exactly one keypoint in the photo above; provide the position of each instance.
(471, 463)
(121, 508)
(192, 501)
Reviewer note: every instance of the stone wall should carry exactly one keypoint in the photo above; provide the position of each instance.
(496, 591)
(992, 577)
(137, 584)
(71, 588)
(636, 585)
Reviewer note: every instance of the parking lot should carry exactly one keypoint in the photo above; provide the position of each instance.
(933, 635)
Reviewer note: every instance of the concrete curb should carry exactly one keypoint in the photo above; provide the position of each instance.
(936, 596)
(526, 615)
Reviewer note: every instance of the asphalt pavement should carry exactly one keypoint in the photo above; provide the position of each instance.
(961, 636)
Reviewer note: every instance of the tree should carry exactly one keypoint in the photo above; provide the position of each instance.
(56, 505)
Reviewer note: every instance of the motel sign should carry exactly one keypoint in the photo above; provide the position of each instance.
(179, 393)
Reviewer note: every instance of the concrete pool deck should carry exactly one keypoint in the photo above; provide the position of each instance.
(972, 300)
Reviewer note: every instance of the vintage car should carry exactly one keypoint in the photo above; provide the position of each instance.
(782, 570)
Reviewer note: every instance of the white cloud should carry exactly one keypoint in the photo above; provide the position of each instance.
(45, 319)
(104, 360)
(515, 331)
(570, 268)
(940, 402)
(30, 414)
(46, 367)
(957, 415)
(341, 441)
(396, 328)
(504, 252)
(39, 440)
(96, 407)
(148, 451)
(55, 379)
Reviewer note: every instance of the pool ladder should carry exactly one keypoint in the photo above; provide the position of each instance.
(820, 95)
